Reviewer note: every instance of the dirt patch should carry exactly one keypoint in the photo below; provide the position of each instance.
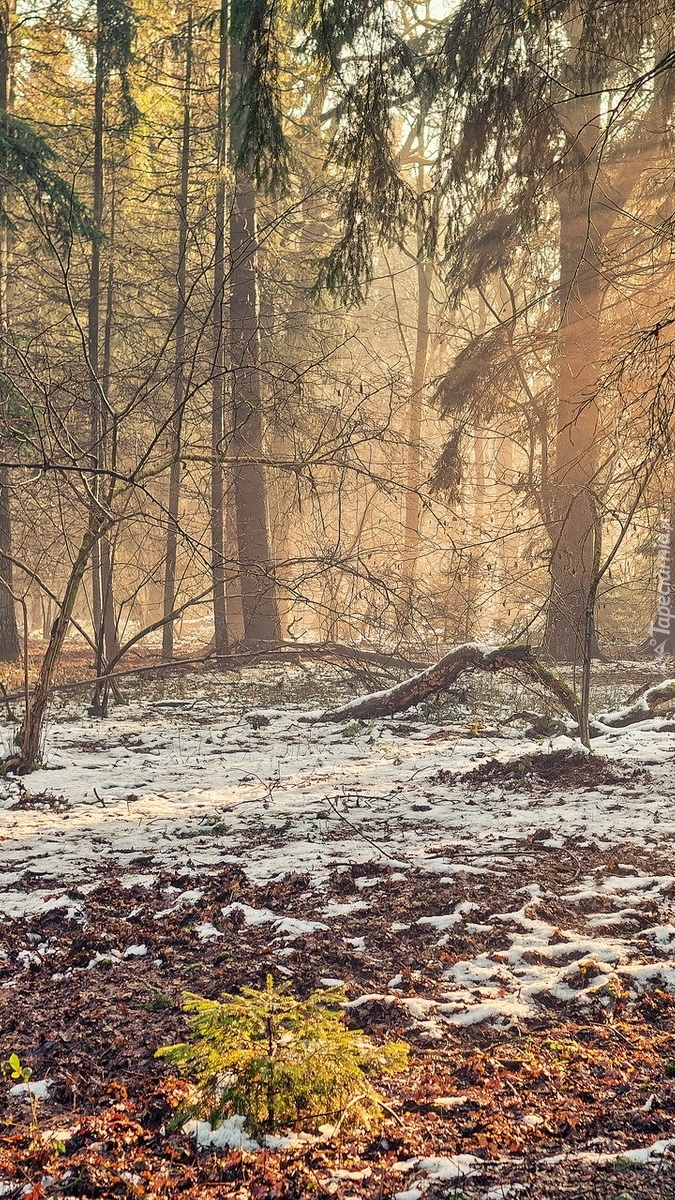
(45, 802)
(564, 768)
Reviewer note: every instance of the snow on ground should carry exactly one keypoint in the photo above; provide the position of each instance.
(193, 785)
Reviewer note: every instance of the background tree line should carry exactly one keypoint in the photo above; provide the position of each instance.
(333, 323)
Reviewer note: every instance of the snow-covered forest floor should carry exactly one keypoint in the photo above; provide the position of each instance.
(502, 902)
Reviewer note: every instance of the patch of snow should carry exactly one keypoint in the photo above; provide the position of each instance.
(450, 1101)
(453, 1166)
(418, 1007)
(38, 1088)
(370, 998)
(443, 922)
(642, 1154)
(230, 1135)
(205, 931)
(335, 908)
(113, 956)
(504, 1191)
(475, 1014)
(290, 926)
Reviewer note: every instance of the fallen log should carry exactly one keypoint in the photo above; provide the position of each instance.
(473, 656)
(653, 702)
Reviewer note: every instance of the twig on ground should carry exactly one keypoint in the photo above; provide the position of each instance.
(342, 817)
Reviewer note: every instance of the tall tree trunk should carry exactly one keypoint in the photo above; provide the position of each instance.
(9, 636)
(411, 535)
(573, 482)
(110, 640)
(218, 386)
(259, 606)
(93, 320)
(179, 367)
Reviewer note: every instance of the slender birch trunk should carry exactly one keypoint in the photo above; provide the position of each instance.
(179, 365)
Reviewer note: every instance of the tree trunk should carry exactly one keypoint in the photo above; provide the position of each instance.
(9, 635)
(179, 367)
(473, 567)
(31, 733)
(93, 318)
(218, 387)
(413, 474)
(259, 606)
(110, 637)
(411, 534)
(662, 629)
(573, 482)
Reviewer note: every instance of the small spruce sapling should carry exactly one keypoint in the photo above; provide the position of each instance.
(279, 1061)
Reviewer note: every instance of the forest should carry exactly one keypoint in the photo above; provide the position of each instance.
(337, 648)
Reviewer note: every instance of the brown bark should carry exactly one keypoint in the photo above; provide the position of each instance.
(259, 605)
(93, 322)
(217, 516)
(179, 364)
(593, 193)
(413, 473)
(478, 515)
(9, 635)
(573, 479)
(103, 600)
(470, 657)
(109, 642)
(662, 630)
(31, 733)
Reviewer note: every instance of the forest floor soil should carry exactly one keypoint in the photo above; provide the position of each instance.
(501, 902)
